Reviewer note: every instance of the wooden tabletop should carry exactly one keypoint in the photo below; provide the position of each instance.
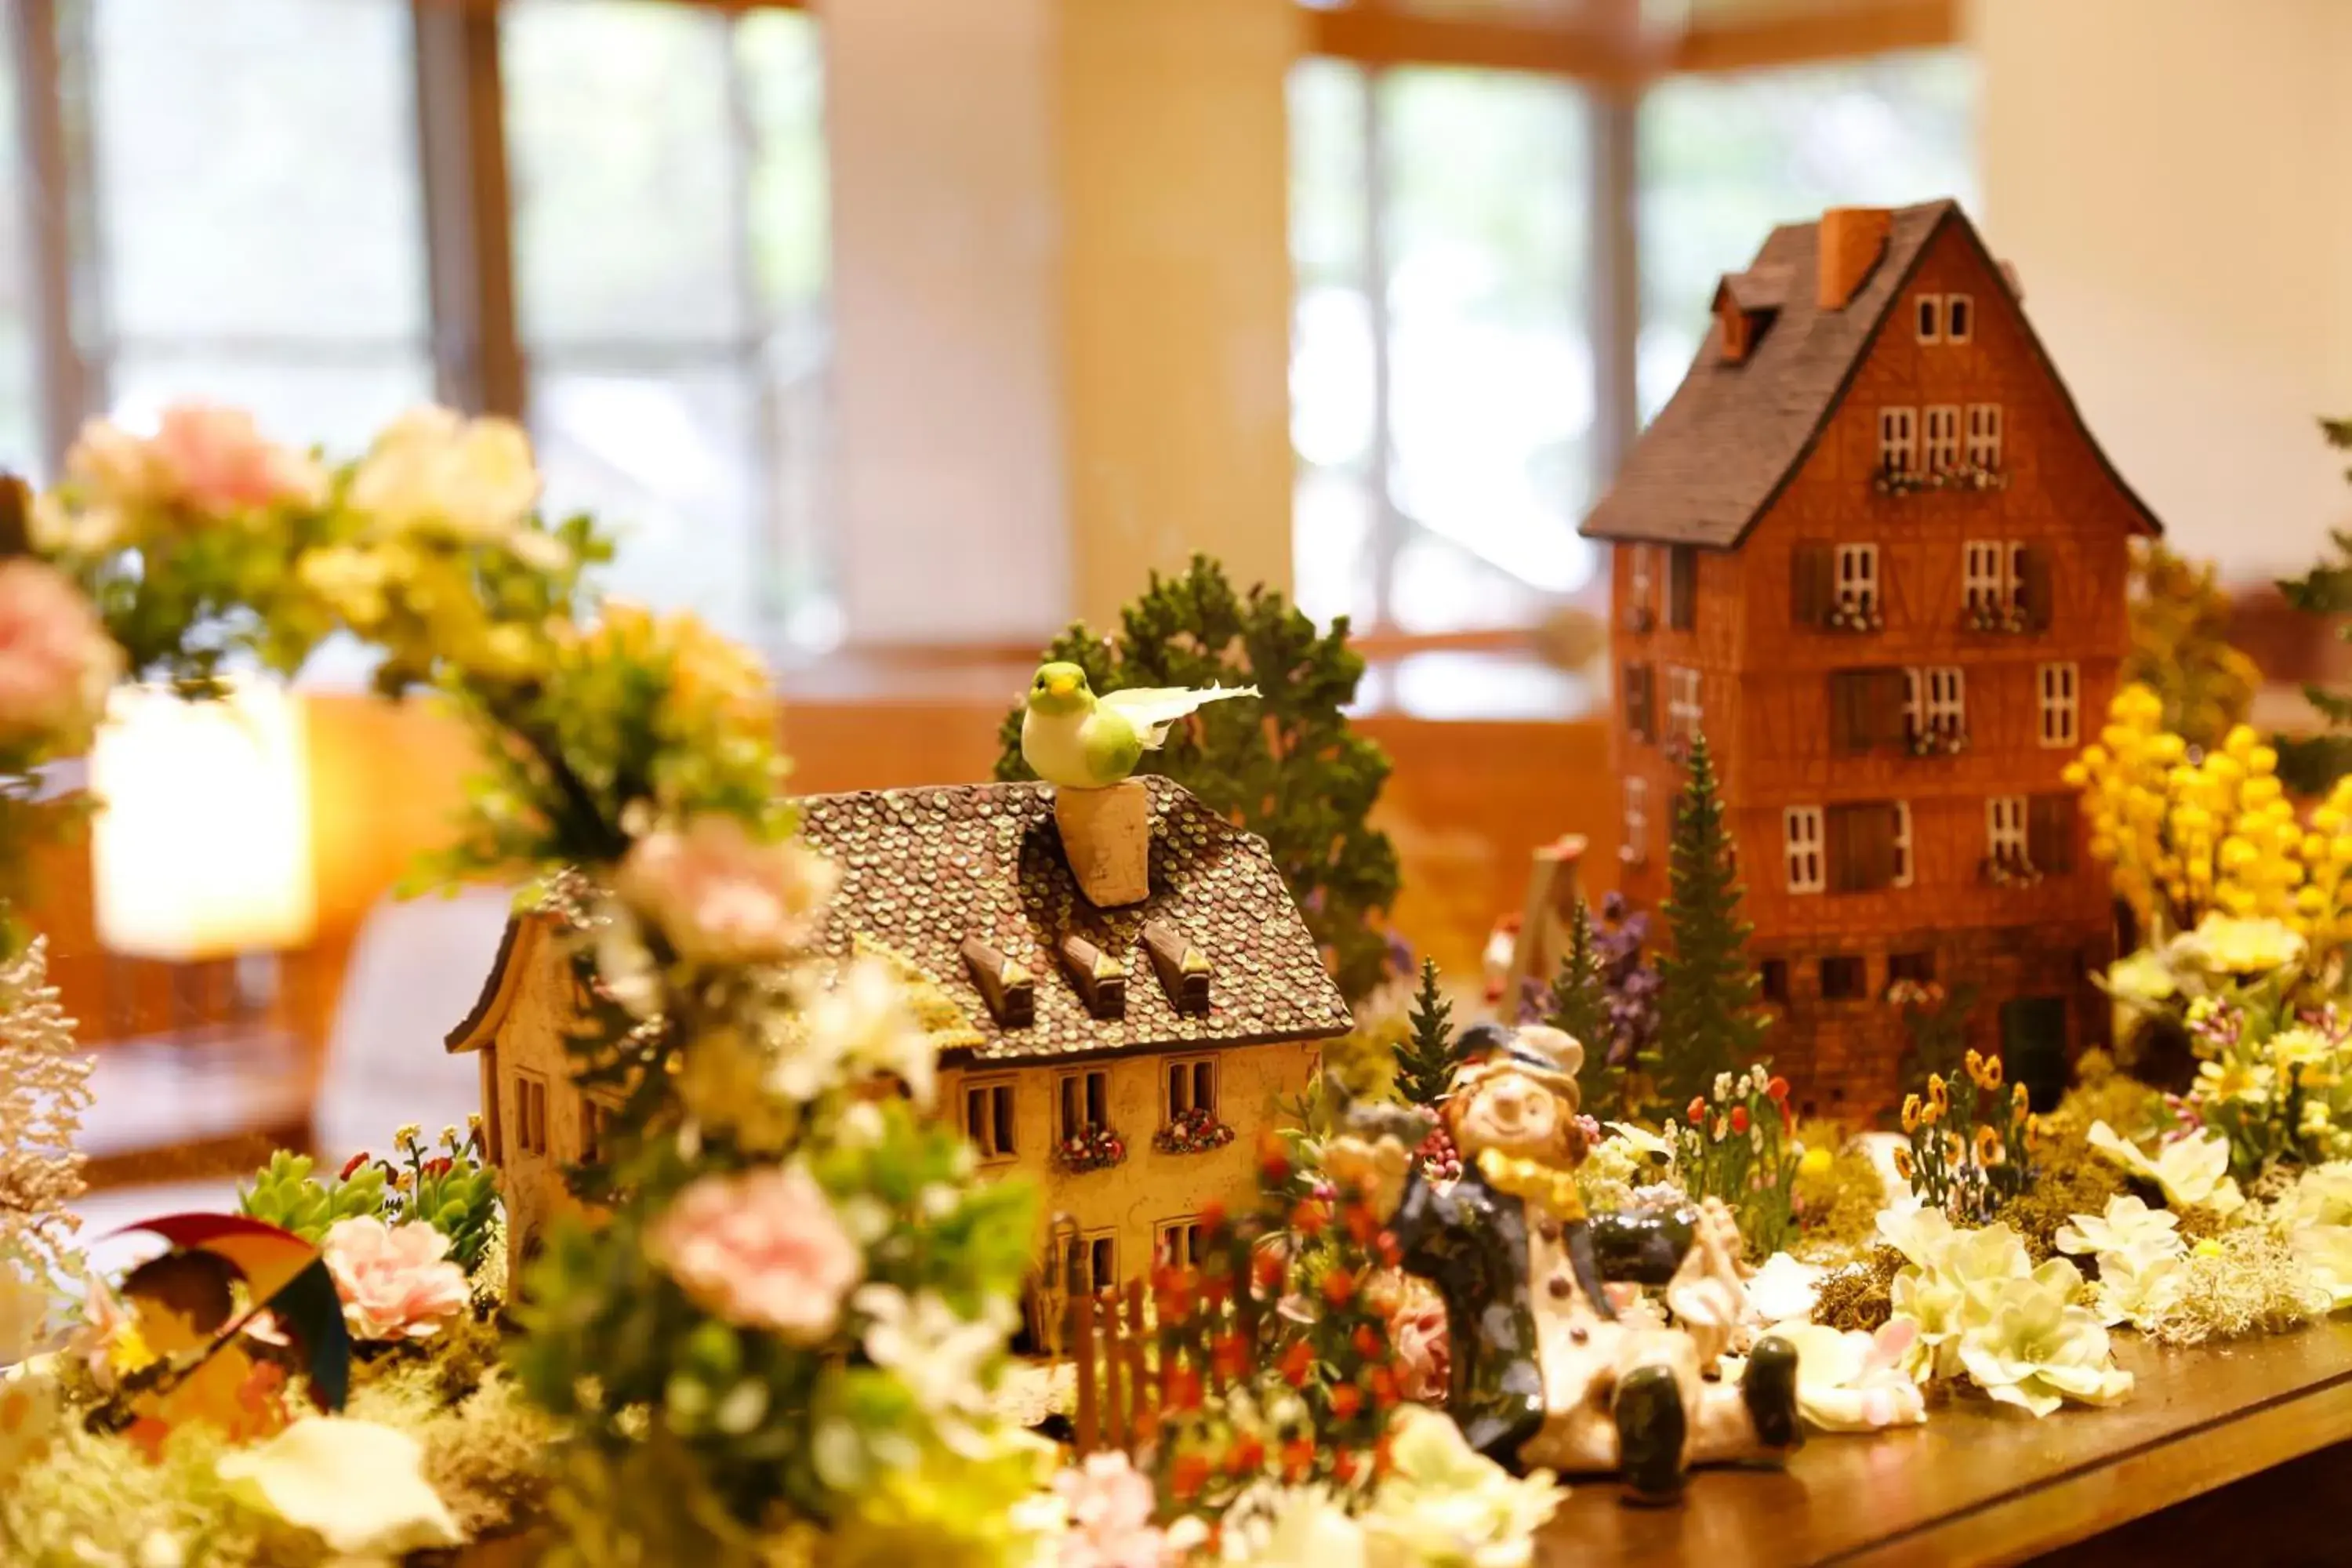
(1985, 1483)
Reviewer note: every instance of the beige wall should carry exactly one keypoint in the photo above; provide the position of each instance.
(1134, 1197)
(2169, 178)
(1062, 299)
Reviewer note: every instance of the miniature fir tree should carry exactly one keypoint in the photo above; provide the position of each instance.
(2308, 765)
(1706, 1020)
(1578, 1005)
(44, 1089)
(1425, 1056)
(1286, 766)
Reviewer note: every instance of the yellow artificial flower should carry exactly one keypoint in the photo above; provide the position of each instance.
(1910, 1114)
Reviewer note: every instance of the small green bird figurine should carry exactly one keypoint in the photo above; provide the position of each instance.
(1073, 738)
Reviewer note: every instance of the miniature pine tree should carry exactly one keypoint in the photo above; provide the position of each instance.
(43, 1088)
(1424, 1058)
(2308, 765)
(1286, 766)
(2180, 647)
(1578, 1005)
(1707, 1021)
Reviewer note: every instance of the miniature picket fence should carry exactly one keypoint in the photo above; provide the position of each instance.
(1130, 1370)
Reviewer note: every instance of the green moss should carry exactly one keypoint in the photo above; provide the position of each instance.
(2069, 1178)
(1837, 1209)
(2103, 1093)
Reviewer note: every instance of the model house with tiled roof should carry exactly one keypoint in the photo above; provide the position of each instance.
(1126, 1060)
(1872, 550)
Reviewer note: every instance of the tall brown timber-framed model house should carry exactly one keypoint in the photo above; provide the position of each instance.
(1871, 550)
(1166, 1028)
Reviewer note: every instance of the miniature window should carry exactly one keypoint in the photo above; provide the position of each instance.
(1192, 1086)
(1919, 968)
(1638, 583)
(1800, 830)
(1857, 577)
(1085, 1101)
(2005, 827)
(1683, 712)
(1935, 700)
(1641, 702)
(2059, 697)
(1636, 848)
(988, 1118)
(1090, 1263)
(1901, 844)
(531, 1114)
(1943, 437)
(1682, 587)
(1984, 436)
(1179, 1242)
(1775, 975)
(1959, 318)
(1898, 440)
(1986, 574)
(595, 1125)
(1843, 978)
(1929, 311)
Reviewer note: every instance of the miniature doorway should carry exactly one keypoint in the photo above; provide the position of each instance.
(2033, 1046)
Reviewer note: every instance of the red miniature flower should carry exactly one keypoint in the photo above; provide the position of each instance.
(1266, 1268)
(1338, 1287)
(1739, 1118)
(1390, 1252)
(1696, 1111)
(1362, 1223)
(1381, 1459)
(1297, 1362)
(351, 1165)
(1367, 1341)
(1309, 1217)
(1345, 1400)
(1188, 1476)
(1778, 1088)
(1212, 1214)
(1343, 1466)
(1184, 1389)
(1298, 1459)
(1384, 1388)
(1272, 1159)
(1217, 1287)
(1230, 1355)
(1246, 1457)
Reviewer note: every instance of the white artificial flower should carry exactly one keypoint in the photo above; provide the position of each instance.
(433, 470)
(2193, 1171)
(2326, 1253)
(1853, 1381)
(938, 1353)
(359, 1485)
(858, 1025)
(2138, 1285)
(2323, 1194)
(2028, 1345)
(1641, 1140)
(1444, 1502)
(2129, 1224)
(1783, 1288)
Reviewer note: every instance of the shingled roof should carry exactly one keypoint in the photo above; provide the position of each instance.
(924, 869)
(1720, 453)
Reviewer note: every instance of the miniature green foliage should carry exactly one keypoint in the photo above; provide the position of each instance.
(1578, 1005)
(2310, 763)
(1708, 1022)
(1424, 1058)
(284, 1193)
(1286, 766)
(2180, 647)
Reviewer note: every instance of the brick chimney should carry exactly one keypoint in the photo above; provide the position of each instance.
(1852, 240)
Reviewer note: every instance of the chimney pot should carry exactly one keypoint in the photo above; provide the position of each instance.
(1852, 239)
(1106, 838)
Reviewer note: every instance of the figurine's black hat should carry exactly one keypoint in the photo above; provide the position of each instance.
(1482, 1051)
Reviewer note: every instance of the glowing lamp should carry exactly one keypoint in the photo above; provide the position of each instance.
(201, 845)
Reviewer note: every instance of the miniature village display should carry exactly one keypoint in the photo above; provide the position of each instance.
(772, 1089)
(1871, 550)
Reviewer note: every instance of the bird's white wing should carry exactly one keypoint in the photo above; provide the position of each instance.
(1151, 709)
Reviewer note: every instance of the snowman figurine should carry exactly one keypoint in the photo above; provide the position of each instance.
(1547, 1370)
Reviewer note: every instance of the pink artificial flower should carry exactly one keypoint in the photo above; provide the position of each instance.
(1110, 1508)
(721, 896)
(57, 662)
(763, 1250)
(216, 460)
(396, 1281)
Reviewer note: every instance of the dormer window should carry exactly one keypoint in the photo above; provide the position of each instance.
(1929, 310)
(1745, 306)
(1944, 318)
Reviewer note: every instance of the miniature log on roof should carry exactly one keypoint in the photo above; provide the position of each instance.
(1184, 969)
(1009, 990)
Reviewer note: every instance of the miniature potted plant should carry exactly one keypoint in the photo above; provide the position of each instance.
(1092, 1148)
(1193, 1131)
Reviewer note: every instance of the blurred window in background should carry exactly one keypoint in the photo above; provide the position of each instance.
(1441, 378)
(251, 223)
(1723, 158)
(668, 178)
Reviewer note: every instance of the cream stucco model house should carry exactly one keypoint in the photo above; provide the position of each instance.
(1125, 1059)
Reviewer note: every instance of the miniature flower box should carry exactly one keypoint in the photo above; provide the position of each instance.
(1193, 1131)
(1966, 477)
(1096, 1148)
(2005, 619)
(1854, 613)
(1937, 740)
(2012, 870)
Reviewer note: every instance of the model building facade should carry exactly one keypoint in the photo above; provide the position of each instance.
(1871, 550)
(1125, 1061)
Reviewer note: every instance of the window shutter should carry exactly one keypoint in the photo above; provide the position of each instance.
(1849, 732)
(1883, 707)
(1811, 586)
(2033, 585)
(1682, 587)
(2050, 833)
(1837, 844)
(1860, 845)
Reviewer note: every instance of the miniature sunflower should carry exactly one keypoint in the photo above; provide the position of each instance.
(1939, 1094)
(1910, 1114)
(1902, 1166)
(1988, 1150)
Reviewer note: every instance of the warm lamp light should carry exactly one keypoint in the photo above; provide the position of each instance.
(201, 845)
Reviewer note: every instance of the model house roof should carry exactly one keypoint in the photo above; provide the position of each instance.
(1740, 427)
(968, 884)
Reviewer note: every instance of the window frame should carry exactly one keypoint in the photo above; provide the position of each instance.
(1804, 848)
(1854, 574)
(2058, 693)
(1003, 1105)
(1940, 445)
(1190, 1228)
(1906, 865)
(1898, 440)
(1191, 1065)
(1084, 1080)
(1984, 436)
(1635, 849)
(531, 1136)
(1092, 1246)
(1686, 703)
(1927, 317)
(1960, 318)
(2005, 826)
